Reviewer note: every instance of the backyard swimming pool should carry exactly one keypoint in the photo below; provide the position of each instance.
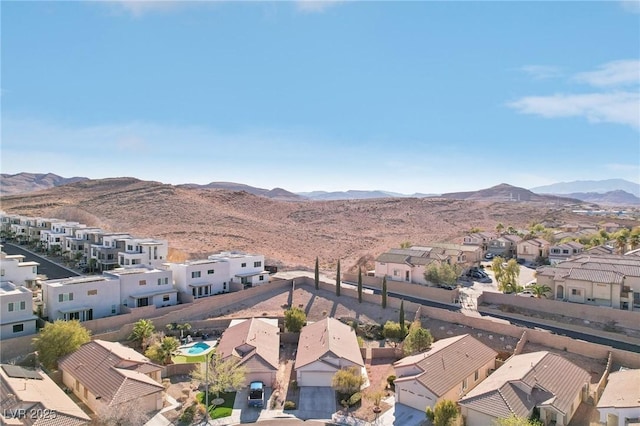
(198, 348)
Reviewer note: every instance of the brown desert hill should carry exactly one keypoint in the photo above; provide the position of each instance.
(201, 221)
(28, 182)
(275, 193)
(506, 192)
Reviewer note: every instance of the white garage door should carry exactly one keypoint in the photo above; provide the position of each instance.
(314, 378)
(412, 399)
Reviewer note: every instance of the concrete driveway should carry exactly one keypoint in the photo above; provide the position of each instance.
(401, 415)
(316, 402)
(249, 414)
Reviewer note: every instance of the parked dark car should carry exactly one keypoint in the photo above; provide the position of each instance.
(256, 394)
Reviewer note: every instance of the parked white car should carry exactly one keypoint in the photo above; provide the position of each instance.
(526, 293)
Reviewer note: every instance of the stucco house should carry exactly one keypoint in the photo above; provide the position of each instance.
(561, 252)
(35, 393)
(324, 348)
(13, 268)
(447, 371)
(255, 344)
(542, 380)
(504, 246)
(16, 311)
(532, 250)
(107, 374)
(619, 404)
(82, 298)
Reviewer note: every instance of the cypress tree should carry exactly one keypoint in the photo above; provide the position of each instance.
(384, 293)
(338, 279)
(402, 328)
(317, 275)
(359, 285)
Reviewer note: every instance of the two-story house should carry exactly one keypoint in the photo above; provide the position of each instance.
(201, 278)
(505, 246)
(561, 252)
(13, 268)
(82, 298)
(16, 311)
(105, 250)
(143, 251)
(246, 268)
(145, 286)
(533, 250)
(479, 239)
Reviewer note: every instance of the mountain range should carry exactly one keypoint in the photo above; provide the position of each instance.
(610, 192)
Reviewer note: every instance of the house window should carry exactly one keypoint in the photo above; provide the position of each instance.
(165, 298)
(64, 297)
(166, 280)
(261, 278)
(476, 376)
(113, 309)
(224, 286)
(92, 292)
(244, 265)
(86, 393)
(210, 271)
(142, 282)
(159, 281)
(257, 264)
(464, 384)
(195, 274)
(129, 248)
(576, 292)
(34, 269)
(23, 305)
(565, 251)
(77, 385)
(10, 307)
(18, 328)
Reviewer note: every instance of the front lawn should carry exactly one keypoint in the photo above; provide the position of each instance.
(222, 410)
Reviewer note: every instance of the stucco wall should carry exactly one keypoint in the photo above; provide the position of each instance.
(626, 319)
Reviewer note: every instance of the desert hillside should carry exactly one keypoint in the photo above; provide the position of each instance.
(291, 234)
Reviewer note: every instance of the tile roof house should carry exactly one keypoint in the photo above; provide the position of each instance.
(532, 250)
(542, 380)
(324, 348)
(35, 393)
(504, 246)
(603, 280)
(619, 404)
(448, 370)
(103, 373)
(255, 343)
(561, 252)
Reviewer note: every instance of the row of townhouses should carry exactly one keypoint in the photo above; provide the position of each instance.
(135, 273)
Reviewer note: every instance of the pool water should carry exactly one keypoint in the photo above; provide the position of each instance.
(198, 348)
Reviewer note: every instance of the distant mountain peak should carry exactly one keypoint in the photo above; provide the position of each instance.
(587, 186)
(24, 182)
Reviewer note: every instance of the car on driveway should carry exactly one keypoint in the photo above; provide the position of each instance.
(256, 394)
(526, 293)
(480, 276)
(488, 256)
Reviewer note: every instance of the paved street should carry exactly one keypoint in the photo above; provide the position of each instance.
(50, 269)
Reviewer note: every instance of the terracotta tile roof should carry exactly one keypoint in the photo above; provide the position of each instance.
(38, 393)
(111, 371)
(622, 390)
(544, 378)
(448, 362)
(253, 337)
(328, 336)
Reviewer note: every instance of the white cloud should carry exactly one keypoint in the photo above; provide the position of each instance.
(315, 6)
(616, 107)
(632, 6)
(616, 73)
(138, 8)
(541, 72)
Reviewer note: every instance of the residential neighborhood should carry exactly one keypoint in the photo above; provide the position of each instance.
(128, 282)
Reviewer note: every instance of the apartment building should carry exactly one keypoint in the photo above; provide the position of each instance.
(145, 286)
(16, 311)
(82, 298)
(105, 248)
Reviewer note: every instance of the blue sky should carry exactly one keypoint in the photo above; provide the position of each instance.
(401, 96)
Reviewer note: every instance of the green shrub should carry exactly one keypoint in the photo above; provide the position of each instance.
(354, 399)
(289, 405)
(294, 385)
(391, 379)
(188, 414)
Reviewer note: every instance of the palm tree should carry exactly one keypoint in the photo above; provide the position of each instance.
(183, 327)
(634, 239)
(621, 242)
(168, 347)
(540, 290)
(142, 331)
(499, 228)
